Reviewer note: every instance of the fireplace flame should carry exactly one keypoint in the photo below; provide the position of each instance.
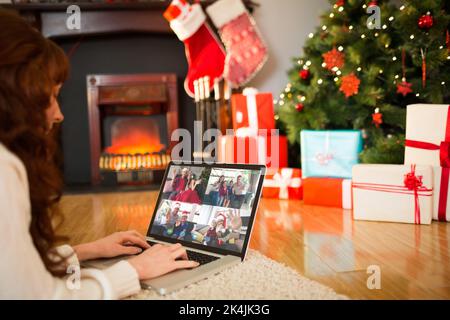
(135, 135)
(135, 142)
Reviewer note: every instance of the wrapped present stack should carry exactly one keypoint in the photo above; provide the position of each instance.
(255, 141)
(327, 160)
(417, 191)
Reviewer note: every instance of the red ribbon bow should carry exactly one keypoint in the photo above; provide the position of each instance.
(413, 182)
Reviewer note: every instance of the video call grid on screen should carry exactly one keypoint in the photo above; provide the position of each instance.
(207, 206)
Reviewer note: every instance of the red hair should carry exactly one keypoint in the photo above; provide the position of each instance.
(30, 67)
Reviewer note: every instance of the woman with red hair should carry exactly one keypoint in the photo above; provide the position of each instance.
(32, 71)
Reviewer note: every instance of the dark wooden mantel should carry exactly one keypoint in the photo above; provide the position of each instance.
(101, 18)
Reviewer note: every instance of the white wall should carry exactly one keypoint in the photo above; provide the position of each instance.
(285, 25)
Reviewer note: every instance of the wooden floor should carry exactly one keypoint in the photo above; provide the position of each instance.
(323, 244)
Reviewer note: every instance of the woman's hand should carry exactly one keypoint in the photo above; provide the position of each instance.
(116, 244)
(161, 259)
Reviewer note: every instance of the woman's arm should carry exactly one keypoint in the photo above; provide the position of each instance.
(23, 274)
(116, 244)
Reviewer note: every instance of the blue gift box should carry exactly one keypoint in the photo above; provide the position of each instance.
(330, 153)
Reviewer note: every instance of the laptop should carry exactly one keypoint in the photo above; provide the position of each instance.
(208, 208)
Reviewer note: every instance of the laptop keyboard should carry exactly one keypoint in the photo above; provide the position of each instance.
(200, 257)
(196, 256)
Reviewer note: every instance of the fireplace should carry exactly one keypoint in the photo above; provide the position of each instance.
(131, 118)
(124, 37)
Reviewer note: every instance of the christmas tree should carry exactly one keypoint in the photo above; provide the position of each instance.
(360, 72)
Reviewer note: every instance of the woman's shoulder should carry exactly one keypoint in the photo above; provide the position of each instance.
(11, 165)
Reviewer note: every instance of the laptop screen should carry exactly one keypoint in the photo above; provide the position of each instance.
(210, 206)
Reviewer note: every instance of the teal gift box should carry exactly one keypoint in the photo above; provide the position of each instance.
(330, 153)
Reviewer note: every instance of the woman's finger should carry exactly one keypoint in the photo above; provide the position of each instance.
(130, 250)
(157, 246)
(135, 241)
(185, 264)
(174, 247)
(138, 234)
(179, 253)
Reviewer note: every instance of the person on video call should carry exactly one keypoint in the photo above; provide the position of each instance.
(238, 192)
(210, 238)
(164, 216)
(175, 211)
(191, 194)
(223, 192)
(229, 196)
(214, 191)
(179, 183)
(32, 71)
(181, 226)
(231, 233)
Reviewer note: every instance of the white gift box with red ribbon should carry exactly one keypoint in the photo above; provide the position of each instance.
(428, 143)
(394, 193)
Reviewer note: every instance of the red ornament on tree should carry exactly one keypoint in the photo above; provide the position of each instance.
(377, 118)
(404, 87)
(304, 74)
(340, 3)
(333, 58)
(426, 21)
(299, 107)
(350, 85)
(373, 3)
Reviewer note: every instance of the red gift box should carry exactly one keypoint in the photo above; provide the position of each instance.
(284, 183)
(270, 150)
(329, 192)
(252, 111)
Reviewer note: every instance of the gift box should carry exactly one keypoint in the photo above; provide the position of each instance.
(329, 192)
(329, 153)
(284, 183)
(428, 143)
(394, 193)
(252, 111)
(269, 150)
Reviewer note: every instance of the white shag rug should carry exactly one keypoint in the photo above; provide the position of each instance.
(258, 278)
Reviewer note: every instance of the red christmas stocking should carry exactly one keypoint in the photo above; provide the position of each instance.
(246, 51)
(204, 53)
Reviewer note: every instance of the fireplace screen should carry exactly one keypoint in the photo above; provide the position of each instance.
(134, 142)
(131, 117)
(135, 135)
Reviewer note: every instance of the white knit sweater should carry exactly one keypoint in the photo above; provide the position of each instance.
(22, 272)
